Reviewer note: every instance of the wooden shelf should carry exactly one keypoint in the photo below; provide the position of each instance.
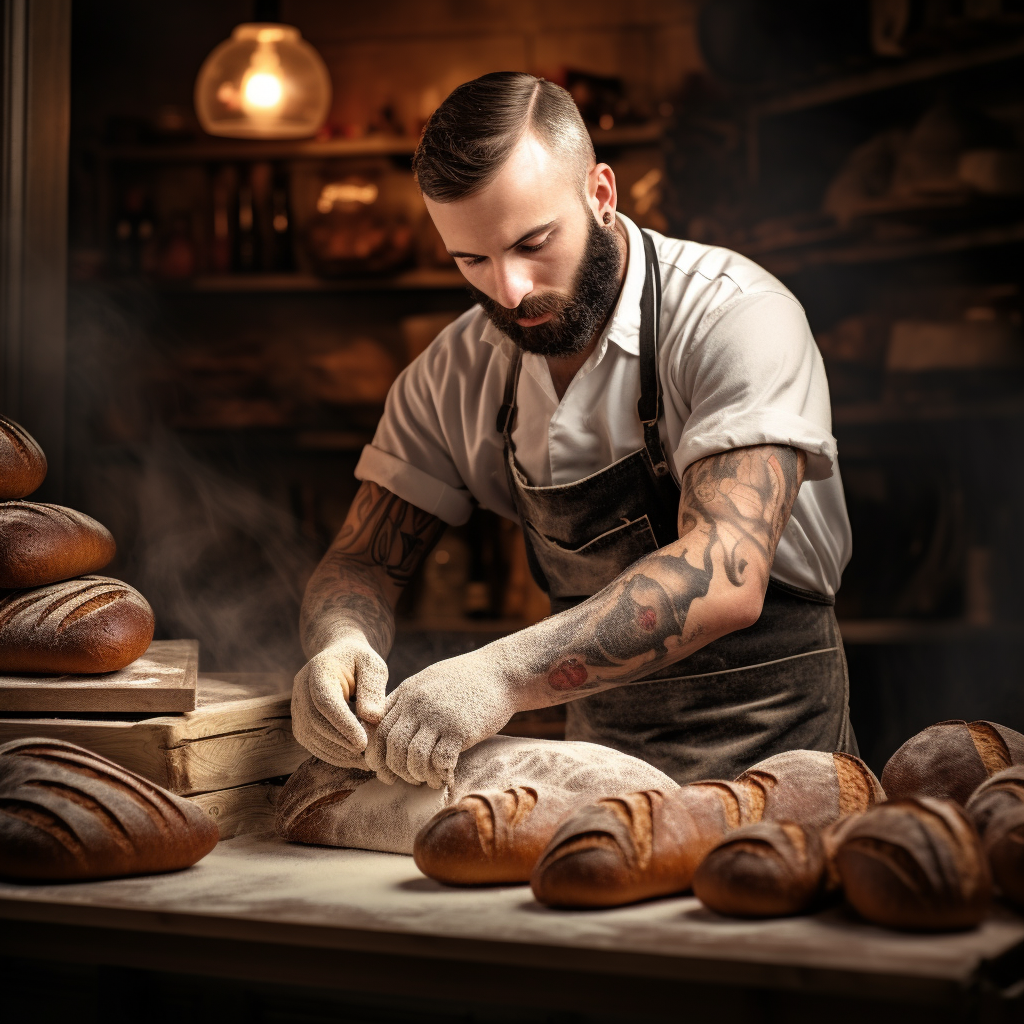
(215, 150)
(881, 413)
(886, 632)
(408, 280)
(886, 77)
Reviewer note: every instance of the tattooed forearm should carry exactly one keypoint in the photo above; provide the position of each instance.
(732, 512)
(356, 585)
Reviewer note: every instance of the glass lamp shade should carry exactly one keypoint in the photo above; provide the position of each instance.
(265, 82)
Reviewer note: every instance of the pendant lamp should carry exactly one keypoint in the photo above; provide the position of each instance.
(265, 82)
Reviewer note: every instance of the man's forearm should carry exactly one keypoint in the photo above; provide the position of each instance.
(676, 600)
(359, 580)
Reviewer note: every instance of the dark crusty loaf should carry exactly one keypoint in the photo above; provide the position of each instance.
(67, 813)
(1004, 846)
(950, 760)
(88, 625)
(771, 869)
(810, 787)
(42, 544)
(915, 864)
(22, 462)
(995, 796)
(493, 837)
(627, 848)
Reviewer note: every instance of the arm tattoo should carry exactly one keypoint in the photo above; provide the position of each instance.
(383, 541)
(732, 511)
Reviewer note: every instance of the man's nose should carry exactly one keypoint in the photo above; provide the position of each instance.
(512, 284)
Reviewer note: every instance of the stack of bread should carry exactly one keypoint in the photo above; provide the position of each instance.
(789, 834)
(67, 813)
(56, 616)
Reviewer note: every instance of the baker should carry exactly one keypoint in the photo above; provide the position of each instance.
(655, 415)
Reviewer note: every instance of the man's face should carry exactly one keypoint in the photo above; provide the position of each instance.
(535, 258)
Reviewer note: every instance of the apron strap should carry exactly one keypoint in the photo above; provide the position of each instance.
(508, 402)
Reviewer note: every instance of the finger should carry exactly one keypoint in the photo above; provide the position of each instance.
(392, 713)
(371, 687)
(442, 763)
(398, 748)
(418, 756)
(327, 696)
(311, 729)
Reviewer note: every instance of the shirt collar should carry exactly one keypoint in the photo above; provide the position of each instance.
(624, 326)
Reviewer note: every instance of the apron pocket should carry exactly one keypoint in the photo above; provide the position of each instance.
(583, 571)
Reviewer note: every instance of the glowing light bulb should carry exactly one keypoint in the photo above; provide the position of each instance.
(263, 91)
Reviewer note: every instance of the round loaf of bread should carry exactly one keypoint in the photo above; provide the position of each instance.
(996, 796)
(770, 869)
(915, 864)
(625, 849)
(810, 787)
(1004, 846)
(88, 625)
(22, 462)
(950, 760)
(68, 814)
(42, 544)
(492, 838)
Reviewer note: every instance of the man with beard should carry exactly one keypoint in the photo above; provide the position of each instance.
(655, 415)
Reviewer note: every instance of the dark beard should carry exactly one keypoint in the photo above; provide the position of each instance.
(594, 291)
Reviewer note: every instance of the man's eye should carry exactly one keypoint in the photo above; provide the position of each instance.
(472, 261)
(533, 248)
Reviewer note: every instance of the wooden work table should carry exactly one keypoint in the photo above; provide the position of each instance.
(266, 911)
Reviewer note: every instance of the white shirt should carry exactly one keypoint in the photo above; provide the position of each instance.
(738, 366)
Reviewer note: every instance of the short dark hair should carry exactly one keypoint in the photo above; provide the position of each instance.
(472, 133)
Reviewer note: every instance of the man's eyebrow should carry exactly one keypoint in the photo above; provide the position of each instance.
(518, 241)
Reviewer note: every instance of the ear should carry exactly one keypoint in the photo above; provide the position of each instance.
(602, 193)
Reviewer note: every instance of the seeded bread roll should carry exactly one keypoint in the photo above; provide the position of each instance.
(627, 848)
(88, 625)
(996, 796)
(771, 869)
(22, 462)
(42, 544)
(950, 760)
(810, 787)
(68, 814)
(492, 838)
(1004, 846)
(915, 864)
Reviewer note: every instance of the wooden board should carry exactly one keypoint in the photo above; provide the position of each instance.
(163, 679)
(240, 732)
(242, 810)
(254, 898)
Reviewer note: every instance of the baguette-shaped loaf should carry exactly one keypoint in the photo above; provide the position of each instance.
(22, 462)
(67, 814)
(493, 837)
(771, 869)
(950, 760)
(915, 864)
(87, 625)
(42, 544)
(995, 797)
(627, 848)
(1004, 846)
(810, 787)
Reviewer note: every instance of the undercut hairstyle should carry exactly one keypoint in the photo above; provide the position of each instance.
(472, 133)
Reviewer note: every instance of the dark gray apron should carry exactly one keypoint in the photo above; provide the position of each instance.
(780, 684)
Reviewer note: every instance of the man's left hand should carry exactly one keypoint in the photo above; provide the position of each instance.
(439, 712)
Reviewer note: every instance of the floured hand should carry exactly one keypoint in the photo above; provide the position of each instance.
(439, 712)
(322, 720)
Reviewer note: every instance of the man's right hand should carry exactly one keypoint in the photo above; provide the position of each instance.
(322, 720)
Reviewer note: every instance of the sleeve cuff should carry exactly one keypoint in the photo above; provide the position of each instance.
(448, 503)
(767, 428)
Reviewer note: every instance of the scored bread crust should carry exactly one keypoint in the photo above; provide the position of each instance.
(22, 462)
(42, 544)
(68, 814)
(87, 625)
(768, 869)
(628, 848)
(1004, 846)
(949, 760)
(995, 796)
(915, 864)
(493, 837)
(810, 787)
